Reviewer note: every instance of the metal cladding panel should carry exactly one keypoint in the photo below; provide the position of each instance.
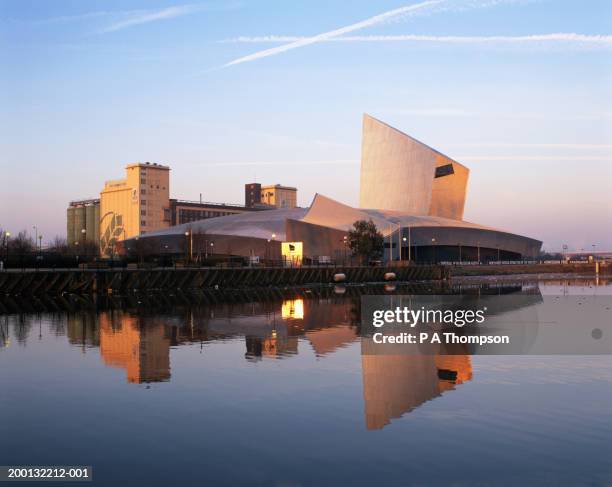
(317, 240)
(330, 213)
(397, 172)
(473, 237)
(448, 192)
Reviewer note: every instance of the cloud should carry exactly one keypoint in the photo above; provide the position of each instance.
(282, 163)
(145, 17)
(586, 158)
(421, 8)
(541, 146)
(560, 37)
(377, 19)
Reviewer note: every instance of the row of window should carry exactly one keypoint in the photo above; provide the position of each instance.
(185, 216)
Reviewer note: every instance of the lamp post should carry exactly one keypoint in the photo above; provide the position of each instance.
(189, 242)
(345, 243)
(83, 238)
(35, 228)
(404, 239)
(459, 252)
(409, 244)
(433, 243)
(7, 237)
(478, 250)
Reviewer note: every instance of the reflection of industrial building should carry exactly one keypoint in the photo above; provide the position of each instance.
(143, 350)
(395, 379)
(414, 194)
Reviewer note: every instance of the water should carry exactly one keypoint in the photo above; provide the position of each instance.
(272, 388)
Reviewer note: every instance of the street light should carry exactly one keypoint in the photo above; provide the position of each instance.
(8, 236)
(83, 232)
(404, 239)
(345, 243)
(189, 244)
(433, 243)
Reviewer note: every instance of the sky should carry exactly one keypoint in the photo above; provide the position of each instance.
(231, 92)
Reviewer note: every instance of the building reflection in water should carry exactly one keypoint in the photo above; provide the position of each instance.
(396, 384)
(143, 351)
(139, 341)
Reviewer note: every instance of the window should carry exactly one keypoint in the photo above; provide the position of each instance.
(143, 202)
(143, 191)
(143, 212)
(445, 170)
(143, 223)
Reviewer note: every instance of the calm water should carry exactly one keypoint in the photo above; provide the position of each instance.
(273, 389)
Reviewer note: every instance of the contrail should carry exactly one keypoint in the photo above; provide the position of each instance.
(377, 19)
(563, 37)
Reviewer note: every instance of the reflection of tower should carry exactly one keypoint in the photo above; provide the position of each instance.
(396, 384)
(142, 349)
(276, 345)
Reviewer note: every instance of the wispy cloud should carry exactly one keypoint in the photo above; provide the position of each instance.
(446, 112)
(145, 17)
(377, 19)
(560, 37)
(540, 145)
(579, 158)
(122, 19)
(282, 163)
(421, 8)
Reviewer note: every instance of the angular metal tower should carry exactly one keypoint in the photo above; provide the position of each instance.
(400, 173)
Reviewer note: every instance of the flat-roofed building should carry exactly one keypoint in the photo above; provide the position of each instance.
(279, 196)
(252, 194)
(184, 211)
(138, 204)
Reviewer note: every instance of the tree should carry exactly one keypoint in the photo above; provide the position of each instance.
(22, 243)
(365, 240)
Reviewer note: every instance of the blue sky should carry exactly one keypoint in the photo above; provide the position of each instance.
(88, 86)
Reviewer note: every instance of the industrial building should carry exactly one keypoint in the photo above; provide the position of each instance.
(273, 196)
(140, 203)
(83, 222)
(414, 194)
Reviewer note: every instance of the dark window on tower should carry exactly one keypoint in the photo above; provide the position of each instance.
(445, 170)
